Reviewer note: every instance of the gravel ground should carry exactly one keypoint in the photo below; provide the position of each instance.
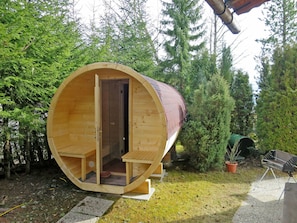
(264, 203)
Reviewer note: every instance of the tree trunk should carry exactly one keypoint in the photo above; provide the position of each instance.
(7, 159)
(27, 154)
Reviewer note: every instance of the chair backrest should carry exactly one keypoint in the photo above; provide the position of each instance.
(290, 166)
(282, 155)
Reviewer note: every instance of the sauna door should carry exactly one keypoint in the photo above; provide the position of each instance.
(114, 96)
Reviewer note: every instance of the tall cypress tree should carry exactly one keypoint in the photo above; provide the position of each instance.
(276, 105)
(205, 135)
(242, 115)
(277, 77)
(226, 64)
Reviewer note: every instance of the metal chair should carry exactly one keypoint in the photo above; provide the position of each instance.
(282, 161)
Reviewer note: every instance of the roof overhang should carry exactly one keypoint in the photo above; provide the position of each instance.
(221, 10)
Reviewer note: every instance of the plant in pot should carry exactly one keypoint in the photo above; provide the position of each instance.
(232, 155)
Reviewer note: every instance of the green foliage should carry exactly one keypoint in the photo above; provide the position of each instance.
(123, 37)
(233, 152)
(276, 105)
(226, 64)
(242, 115)
(206, 133)
(203, 67)
(40, 46)
(280, 20)
(182, 28)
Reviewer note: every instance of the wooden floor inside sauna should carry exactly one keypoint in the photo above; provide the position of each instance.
(116, 166)
(117, 169)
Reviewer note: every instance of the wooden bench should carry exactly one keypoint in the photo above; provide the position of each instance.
(80, 152)
(131, 157)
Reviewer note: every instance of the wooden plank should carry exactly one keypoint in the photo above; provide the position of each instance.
(144, 188)
(77, 151)
(139, 157)
(62, 141)
(98, 128)
(60, 129)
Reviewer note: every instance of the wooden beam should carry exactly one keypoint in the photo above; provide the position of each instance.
(98, 128)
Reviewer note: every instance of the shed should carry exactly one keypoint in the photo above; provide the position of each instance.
(109, 127)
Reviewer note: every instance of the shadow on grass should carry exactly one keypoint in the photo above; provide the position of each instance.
(223, 217)
(182, 172)
(254, 210)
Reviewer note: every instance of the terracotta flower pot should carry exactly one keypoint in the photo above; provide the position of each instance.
(231, 167)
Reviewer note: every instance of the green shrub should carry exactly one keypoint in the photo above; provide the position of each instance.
(206, 133)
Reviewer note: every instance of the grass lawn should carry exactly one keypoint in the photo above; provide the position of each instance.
(185, 196)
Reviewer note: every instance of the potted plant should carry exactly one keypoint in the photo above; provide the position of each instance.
(232, 155)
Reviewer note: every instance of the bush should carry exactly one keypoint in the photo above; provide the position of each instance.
(206, 133)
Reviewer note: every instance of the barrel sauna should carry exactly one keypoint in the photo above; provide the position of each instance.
(109, 127)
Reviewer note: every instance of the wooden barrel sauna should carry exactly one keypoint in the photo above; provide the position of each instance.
(109, 127)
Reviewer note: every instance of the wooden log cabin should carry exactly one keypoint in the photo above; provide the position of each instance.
(109, 127)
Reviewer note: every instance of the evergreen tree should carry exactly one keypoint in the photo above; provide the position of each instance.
(242, 115)
(203, 67)
(123, 36)
(226, 64)
(41, 45)
(277, 80)
(276, 106)
(183, 32)
(281, 22)
(206, 133)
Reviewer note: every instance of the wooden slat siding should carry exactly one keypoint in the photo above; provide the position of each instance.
(62, 141)
(173, 104)
(64, 105)
(145, 110)
(78, 118)
(151, 111)
(81, 129)
(78, 153)
(60, 129)
(73, 165)
(82, 139)
(143, 118)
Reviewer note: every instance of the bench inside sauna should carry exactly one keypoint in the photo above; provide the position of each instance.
(109, 127)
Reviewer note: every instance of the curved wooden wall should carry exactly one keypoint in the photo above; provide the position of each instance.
(156, 114)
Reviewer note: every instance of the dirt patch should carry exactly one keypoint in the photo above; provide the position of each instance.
(45, 195)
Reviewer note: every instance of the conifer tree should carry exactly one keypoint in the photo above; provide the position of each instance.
(242, 115)
(281, 22)
(184, 32)
(124, 36)
(206, 134)
(276, 105)
(41, 46)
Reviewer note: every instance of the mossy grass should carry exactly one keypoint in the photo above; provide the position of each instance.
(187, 196)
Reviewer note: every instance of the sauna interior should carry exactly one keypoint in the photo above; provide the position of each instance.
(108, 129)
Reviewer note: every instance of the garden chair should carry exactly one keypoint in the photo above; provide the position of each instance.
(279, 160)
(282, 161)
